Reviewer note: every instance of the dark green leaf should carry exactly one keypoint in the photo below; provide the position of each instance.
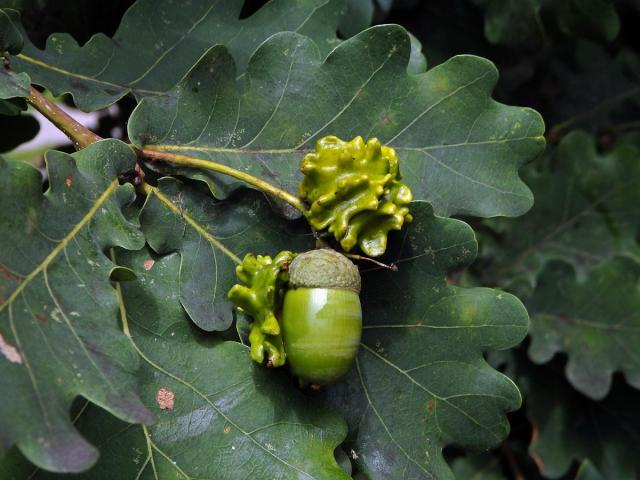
(358, 16)
(420, 380)
(459, 148)
(211, 242)
(417, 61)
(462, 323)
(13, 85)
(59, 334)
(12, 106)
(159, 41)
(588, 472)
(11, 39)
(586, 211)
(79, 18)
(514, 22)
(219, 414)
(594, 89)
(570, 427)
(477, 467)
(595, 321)
(596, 18)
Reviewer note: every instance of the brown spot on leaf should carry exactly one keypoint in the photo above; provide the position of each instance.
(226, 429)
(165, 399)
(148, 264)
(430, 405)
(41, 317)
(385, 119)
(68, 181)
(9, 351)
(9, 275)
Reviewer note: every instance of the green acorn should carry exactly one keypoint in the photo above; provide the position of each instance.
(305, 309)
(322, 316)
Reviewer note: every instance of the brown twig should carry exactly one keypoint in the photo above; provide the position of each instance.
(83, 137)
(80, 135)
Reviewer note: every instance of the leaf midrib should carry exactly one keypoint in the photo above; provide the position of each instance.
(60, 247)
(279, 151)
(429, 392)
(213, 241)
(80, 76)
(204, 397)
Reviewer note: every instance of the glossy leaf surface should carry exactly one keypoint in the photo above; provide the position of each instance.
(59, 333)
(211, 243)
(420, 381)
(459, 148)
(159, 41)
(219, 414)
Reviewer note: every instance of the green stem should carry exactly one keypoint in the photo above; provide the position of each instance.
(185, 160)
(80, 135)
(83, 137)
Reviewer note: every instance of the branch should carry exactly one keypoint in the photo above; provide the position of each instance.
(83, 137)
(80, 135)
(184, 160)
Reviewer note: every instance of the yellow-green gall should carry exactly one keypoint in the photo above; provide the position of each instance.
(265, 281)
(354, 191)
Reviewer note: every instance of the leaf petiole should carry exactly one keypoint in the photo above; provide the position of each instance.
(187, 161)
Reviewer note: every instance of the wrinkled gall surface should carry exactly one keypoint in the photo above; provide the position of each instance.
(260, 297)
(354, 192)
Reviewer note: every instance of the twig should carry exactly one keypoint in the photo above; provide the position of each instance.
(80, 135)
(354, 256)
(83, 137)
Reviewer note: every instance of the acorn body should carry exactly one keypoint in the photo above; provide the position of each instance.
(322, 329)
(322, 316)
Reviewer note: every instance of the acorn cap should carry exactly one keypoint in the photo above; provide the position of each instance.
(324, 268)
